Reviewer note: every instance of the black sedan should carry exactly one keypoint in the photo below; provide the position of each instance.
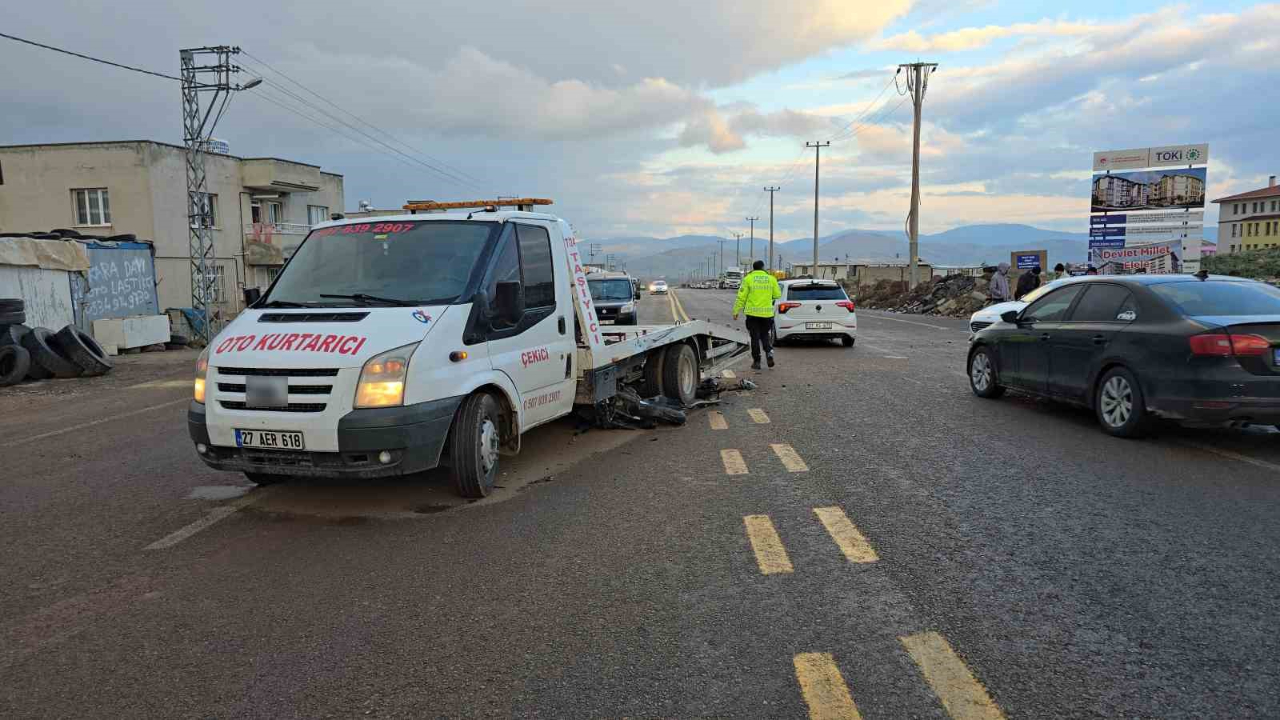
(1190, 348)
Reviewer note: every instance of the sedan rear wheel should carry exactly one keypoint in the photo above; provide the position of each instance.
(1121, 409)
(982, 375)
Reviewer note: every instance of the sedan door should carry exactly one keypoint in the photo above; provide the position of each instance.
(1082, 339)
(1024, 351)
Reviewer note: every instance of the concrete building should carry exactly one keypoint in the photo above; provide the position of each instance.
(262, 207)
(860, 272)
(1249, 220)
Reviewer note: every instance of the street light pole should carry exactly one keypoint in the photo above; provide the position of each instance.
(771, 191)
(752, 255)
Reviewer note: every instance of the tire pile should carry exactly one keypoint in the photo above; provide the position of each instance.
(40, 354)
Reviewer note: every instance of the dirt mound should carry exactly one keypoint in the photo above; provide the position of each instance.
(950, 296)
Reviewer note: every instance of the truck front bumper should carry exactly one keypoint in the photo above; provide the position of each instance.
(413, 437)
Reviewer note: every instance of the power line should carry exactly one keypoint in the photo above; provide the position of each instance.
(454, 173)
(88, 57)
(443, 173)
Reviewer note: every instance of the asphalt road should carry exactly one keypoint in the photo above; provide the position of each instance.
(859, 535)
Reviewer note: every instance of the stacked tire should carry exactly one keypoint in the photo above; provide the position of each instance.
(39, 354)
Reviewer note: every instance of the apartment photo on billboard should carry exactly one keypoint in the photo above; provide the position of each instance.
(1149, 190)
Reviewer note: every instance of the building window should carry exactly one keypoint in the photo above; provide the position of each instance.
(275, 213)
(93, 206)
(209, 202)
(1233, 231)
(217, 290)
(317, 214)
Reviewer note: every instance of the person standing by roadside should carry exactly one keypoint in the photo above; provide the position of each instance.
(998, 290)
(1060, 272)
(756, 296)
(1027, 282)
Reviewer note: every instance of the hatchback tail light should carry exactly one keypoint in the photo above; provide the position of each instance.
(846, 304)
(784, 307)
(1223, 345)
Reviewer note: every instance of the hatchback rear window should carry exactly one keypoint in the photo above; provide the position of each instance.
(815, 292)
(1220, 298)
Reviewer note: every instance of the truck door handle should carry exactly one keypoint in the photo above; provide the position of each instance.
(1044, 336)
(1099, 339)
(561, 324)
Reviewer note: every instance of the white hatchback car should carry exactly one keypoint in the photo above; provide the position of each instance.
(817, 309)
(990, 315)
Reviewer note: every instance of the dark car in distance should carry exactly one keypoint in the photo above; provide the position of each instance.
(1198, 349)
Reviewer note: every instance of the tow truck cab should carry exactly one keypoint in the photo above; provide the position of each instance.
(378, 336)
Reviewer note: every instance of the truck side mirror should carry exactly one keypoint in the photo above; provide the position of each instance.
(251, 296)
(510, 301)
(1010, 316)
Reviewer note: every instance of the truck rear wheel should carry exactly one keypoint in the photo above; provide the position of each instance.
(474, 450)
(680, 374)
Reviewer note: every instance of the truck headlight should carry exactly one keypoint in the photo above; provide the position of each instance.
(202, 371)
(629, 307)
(383, 377)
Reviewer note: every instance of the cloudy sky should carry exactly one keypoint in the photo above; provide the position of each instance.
(668, 117)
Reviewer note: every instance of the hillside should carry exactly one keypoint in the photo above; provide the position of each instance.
(966, 245)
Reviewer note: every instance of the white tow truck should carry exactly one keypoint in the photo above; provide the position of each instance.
(393, 345)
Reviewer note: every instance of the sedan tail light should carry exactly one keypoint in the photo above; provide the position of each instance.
(1223, 345)
(784, 307)
(846, 304)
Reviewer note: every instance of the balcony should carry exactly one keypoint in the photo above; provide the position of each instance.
(271, 175)
(272, 243)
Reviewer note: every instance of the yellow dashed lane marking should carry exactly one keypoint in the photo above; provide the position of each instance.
(824, 688)
(733, 462)
(717, 421)
(770, 554)
(789, 457)
(960, 692)
(729, 374)
(758, 416)
(851, 542)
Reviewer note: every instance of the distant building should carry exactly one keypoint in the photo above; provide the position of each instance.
(1249, 220)
(1171, 190)
(261, 207)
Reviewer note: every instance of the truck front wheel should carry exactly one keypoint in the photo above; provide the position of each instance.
(474, 450)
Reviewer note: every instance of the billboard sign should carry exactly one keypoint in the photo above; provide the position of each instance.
(1138, 158)
(1149, 190)
(1154, 218)
(1027, 259)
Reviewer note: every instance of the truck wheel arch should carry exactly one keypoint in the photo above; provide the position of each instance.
(510, 417)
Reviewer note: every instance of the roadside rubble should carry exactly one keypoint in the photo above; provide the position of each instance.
(951, 296)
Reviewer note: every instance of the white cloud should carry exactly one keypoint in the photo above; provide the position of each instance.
(974, 38)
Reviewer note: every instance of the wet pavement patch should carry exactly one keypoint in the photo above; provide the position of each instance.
(218, 492)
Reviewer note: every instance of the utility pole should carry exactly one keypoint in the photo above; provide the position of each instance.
(752, 255)
(204, 70)
(771, 191)
(722, 242)
(737, 250)
(593, 249)
(817, 160)
(917, 82)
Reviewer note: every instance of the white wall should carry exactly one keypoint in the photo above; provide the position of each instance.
(47, 294)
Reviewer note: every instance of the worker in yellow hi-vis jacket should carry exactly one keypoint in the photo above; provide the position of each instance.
(756, 296)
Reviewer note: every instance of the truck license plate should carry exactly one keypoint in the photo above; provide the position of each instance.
(272, 439)
(818, 326)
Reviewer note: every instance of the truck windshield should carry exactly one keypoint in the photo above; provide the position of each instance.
(611, 290)
(420, 263)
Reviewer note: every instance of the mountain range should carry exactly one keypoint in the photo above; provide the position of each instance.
(966, 245)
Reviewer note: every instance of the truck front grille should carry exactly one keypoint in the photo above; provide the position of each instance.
(291, 407)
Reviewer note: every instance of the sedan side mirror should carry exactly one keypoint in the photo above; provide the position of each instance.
(1010, 316)
(510, 301)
